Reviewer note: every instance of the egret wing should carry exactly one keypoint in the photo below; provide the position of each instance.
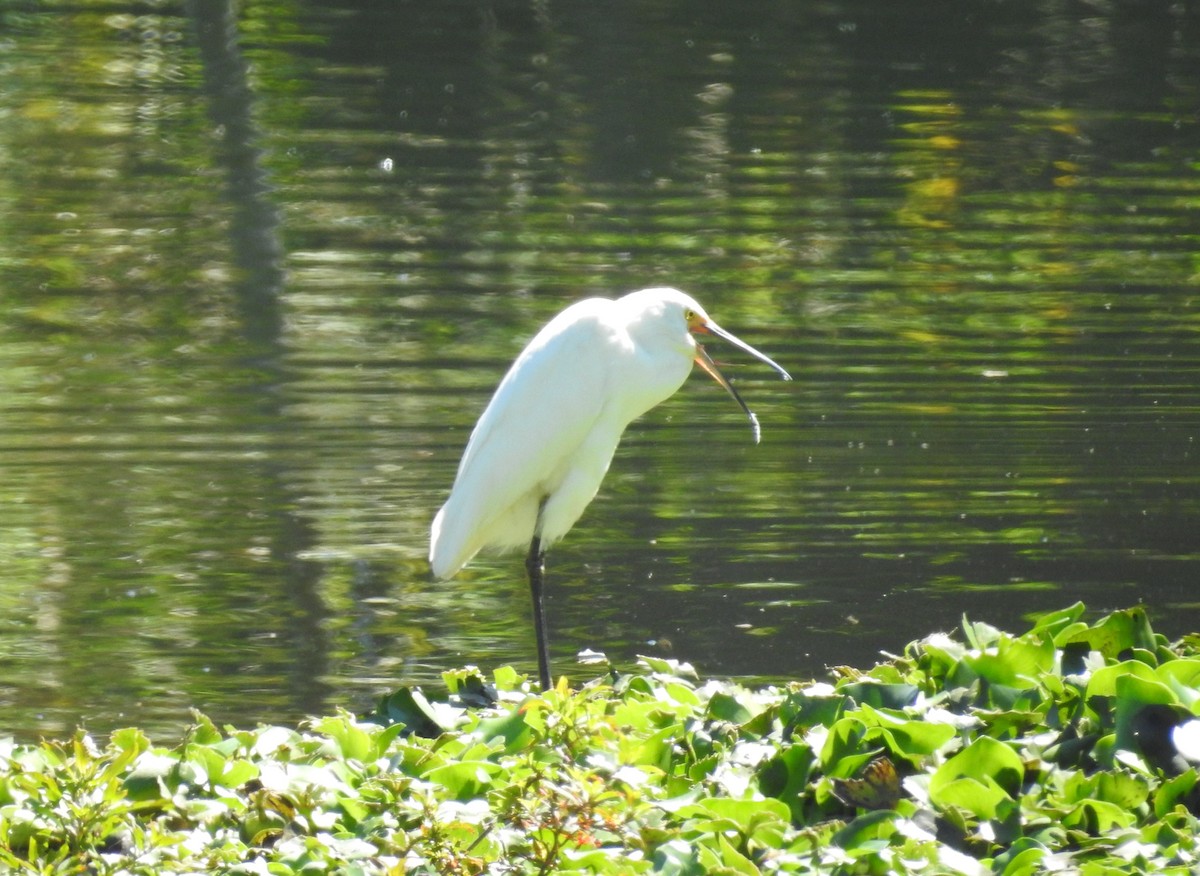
(526, 440)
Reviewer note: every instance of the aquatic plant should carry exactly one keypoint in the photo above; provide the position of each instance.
(1070, 747)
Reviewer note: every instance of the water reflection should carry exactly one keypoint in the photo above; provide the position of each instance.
(970, 239)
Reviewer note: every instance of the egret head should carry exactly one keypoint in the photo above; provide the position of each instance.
(670, 304)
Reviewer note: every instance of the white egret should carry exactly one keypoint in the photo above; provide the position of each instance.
(542, 446)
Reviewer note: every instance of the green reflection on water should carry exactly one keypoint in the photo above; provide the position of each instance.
(984, 286)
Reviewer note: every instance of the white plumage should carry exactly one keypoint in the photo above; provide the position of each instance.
(541, 448)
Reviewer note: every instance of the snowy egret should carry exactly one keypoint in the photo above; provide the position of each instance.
(543, 444)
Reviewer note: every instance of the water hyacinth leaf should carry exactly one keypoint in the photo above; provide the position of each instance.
(237, 773)
(866, 828)
(353, 741)
(1179, 791)
(1114, 634)
(1053, 623)
(1098, 817)
(507, 679)
(1025, 857)
(129, 740)
(1183, 677)
(410, 708)
(1103, 682)
(510, 728)
(939, 654)
(1014, 662)
(726, 707)
(981, 797)
(991, 757)
(1122, 789)
(209, 763)
(1147, 711)
(1006, 698)
(907, 738)
(979, 635)
(980, 778)
(639, 714)
(881, 696)
(888, 673)
(730, 860)
(464, 779)
(204, 731)
(808, 710)
(470, 688)
(917, 739)
(786, 775)
(678, 858)
(682, 694)
(749, 818)
(843, 753)
(146, 779)
(653, 750)
(764, 718)
(267, 741)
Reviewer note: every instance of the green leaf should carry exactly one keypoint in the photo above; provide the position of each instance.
(786, 776)
(507, 678)
(725, 707)
(130, 740)
(875, 825)
(353, 741)
(510, 727)
(1183, 677)
(470, 688)
(1098, 817)
(908, 738)
(979, 635)
(1053, 623)
(1174, 792)
(843, 752)
(410, 708)
(881, 696)
(204, 732)
(979, 778)
(1103, 682)
(1025, 857)
(1122, 789)
(464, 779)
(1144, 716)
(733, 860)
(678, 858)
(1015, 663)
(808, 710)
(982, 797)
(237, 773)
(1114, 634)
(747, 817)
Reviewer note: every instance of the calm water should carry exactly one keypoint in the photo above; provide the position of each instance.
(255, 296)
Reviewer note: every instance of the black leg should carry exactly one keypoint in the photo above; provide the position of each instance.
(535, 566)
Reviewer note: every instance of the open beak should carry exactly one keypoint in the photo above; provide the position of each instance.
(705, 361)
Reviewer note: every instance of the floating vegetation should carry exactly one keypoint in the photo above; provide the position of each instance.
(1069, 748)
